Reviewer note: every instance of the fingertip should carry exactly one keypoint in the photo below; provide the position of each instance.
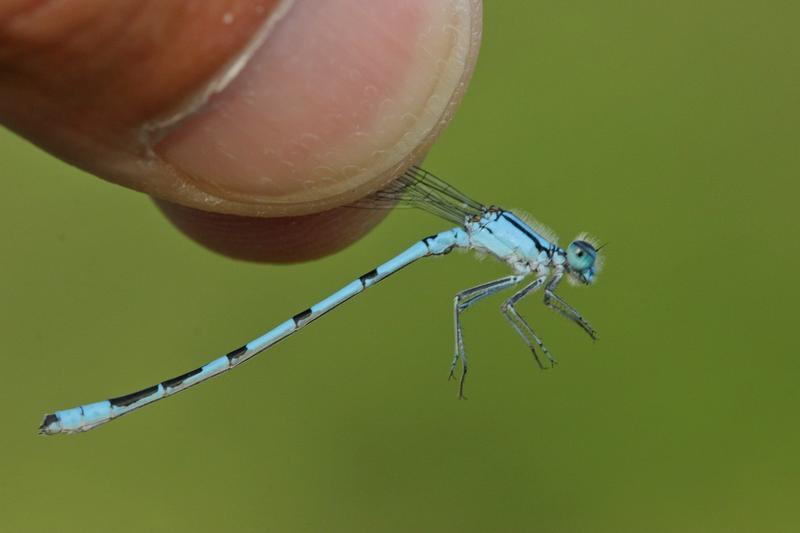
(337, 99)
(335, 103)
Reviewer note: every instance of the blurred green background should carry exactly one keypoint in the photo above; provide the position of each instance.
(669, 129)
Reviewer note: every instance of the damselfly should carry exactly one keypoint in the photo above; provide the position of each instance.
(527, 248)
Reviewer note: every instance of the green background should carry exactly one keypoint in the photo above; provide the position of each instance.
(669, 129)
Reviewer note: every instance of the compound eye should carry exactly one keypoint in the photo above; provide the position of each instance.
(580, 256)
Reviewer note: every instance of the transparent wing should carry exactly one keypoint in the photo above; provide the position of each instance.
(420, 189)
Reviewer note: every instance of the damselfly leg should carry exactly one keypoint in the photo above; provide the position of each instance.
(464, 301)
(521, 325)
(556, 303)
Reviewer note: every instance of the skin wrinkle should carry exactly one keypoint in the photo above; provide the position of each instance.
(19, 8)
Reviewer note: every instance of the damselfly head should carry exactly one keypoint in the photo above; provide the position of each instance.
(583, 260)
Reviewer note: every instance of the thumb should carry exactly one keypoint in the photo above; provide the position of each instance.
(252, 108)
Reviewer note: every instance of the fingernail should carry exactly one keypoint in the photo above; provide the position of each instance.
(338, 94)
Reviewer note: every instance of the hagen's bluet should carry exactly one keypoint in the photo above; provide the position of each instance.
(527, 249)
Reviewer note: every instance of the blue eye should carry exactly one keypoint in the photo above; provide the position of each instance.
(581, 256)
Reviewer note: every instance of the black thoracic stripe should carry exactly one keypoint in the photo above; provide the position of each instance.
(302, 315)
(524, 230)
(234, 355)
(124, 401)
(368, 276)
(174, 382)
(429, 238)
